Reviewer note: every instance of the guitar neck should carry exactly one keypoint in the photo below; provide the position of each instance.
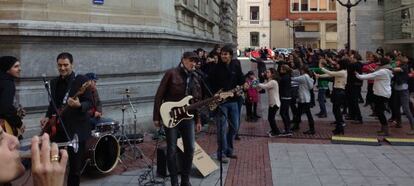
(66, 105)
(199, 104)
(208, 100)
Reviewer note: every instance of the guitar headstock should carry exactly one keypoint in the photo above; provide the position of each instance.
(84, 87)
(238, 90)
(224, 95)
(20, 111)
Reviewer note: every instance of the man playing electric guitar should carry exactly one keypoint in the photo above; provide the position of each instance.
(175, 85)
(9, 117)
(75, 116)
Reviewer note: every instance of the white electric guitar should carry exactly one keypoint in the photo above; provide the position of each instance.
(172, 113)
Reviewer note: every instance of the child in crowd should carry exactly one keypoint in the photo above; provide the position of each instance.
(252, 97)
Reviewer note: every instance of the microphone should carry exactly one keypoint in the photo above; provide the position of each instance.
(199, 73)
(44, 80)
(127, 92)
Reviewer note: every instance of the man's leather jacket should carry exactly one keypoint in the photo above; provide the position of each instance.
(172, 88)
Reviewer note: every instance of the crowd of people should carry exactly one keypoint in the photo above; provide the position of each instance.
(389, 76)
(290, 86)
(337, 75)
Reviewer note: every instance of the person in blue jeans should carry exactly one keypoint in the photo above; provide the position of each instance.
(224, 76)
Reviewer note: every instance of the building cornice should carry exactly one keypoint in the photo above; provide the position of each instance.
(93, 30)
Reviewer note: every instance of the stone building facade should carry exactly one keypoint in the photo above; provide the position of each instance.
(367, 26)
(253, 24)
(128, 43)
(398, 25)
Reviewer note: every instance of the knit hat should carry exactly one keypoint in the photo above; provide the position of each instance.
(91, 76)
(6, 62)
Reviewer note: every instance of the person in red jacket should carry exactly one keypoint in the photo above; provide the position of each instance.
(369, 67)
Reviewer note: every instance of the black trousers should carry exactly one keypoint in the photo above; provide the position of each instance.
(251, 109)
(186, 130)
(304, 108)
(271, 118)
(293, 106)
(75, 164)
(284, 113)
(338, 100)
(380, 102)
(369, 99)
(353, 103)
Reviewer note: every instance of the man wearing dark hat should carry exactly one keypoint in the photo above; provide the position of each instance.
(96, 110)
(9, 70)
(176, 84)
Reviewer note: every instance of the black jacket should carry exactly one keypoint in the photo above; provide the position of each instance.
(352, 80)
(401, 77)
(285, 86)
(226, 77)
(76, 120)
(7, 91)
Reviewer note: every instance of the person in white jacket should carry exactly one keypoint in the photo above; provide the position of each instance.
(272, 88)
(305, 85)
(382, 91)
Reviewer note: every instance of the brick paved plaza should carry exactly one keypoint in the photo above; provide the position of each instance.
(299, 160)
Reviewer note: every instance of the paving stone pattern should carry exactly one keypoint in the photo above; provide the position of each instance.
(325, 164)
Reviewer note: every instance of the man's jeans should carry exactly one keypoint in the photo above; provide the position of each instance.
(224, 136)
(186, 130)
(322, 100)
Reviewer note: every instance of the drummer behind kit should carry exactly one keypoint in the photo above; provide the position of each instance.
(108, 143)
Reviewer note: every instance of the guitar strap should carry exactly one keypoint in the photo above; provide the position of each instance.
(188, 81)
(65, 98)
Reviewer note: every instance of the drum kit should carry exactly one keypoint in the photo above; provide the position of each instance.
(105, 149)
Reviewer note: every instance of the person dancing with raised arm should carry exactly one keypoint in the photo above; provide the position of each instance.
(272, 88)
(382, 91)
(338, 93)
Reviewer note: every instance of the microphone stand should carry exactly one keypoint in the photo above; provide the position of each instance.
(55, 107)
(201, 77)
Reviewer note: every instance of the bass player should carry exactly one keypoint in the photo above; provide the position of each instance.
(73, 112)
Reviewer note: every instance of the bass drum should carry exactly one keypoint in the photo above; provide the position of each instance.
(102, 152)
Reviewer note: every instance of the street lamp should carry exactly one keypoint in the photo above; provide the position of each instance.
(293, 26)
(349, 5)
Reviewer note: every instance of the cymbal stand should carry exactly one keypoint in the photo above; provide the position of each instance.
(122, 137)
(141, 154)
(119, 138)
(134, 111)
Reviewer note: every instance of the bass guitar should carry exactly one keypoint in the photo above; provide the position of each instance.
(51, 125)
(172, 113)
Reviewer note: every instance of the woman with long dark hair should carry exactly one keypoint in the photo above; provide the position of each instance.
(272, 87)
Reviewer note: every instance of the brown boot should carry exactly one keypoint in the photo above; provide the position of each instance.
(383, 131)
